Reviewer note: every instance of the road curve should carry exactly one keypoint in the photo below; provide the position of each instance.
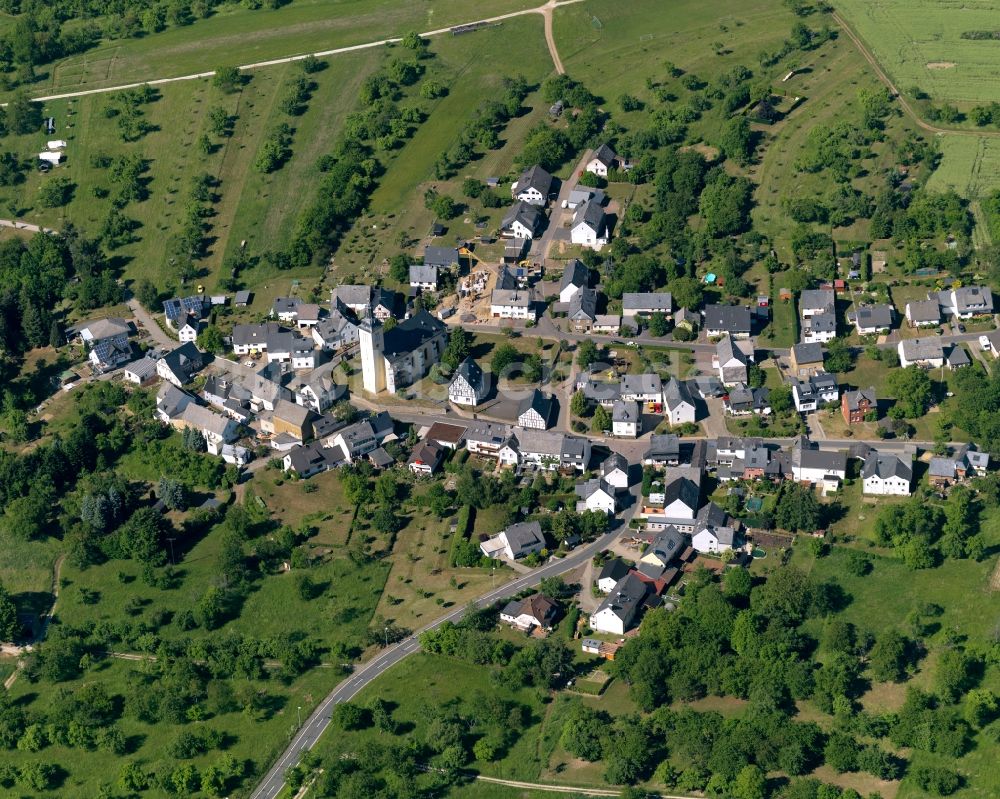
(545, 10)
(319, 719)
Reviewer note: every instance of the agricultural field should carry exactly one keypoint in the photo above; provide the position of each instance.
(250, 36)
(919, 43)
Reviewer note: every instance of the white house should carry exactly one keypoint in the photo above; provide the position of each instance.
(816, 301)
(424, 277)
(626, 419)
(536, 610)
(814, 392)
(188, 331)
(732, 360)
(534, 186)
(966, 301)
(678, 406)
(590, 226)
(871, 319)
(512, 304)
(515, 542)
(614, 471)
(620, 608)
(886, 474)
(575, 277)
(713, 539)
(612, 573)
(468, 386)
(811, 465)
(535, 411)
(603, 160)
(647, 387)
(923, 313)
(819, 328)
(596, 495)
(522, 221)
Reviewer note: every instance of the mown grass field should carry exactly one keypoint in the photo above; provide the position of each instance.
(969, 164)
(236, 35)
(918, 42)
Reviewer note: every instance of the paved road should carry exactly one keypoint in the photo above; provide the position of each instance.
(319, 720)
(545, 10)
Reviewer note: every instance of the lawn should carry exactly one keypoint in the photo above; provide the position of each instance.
(919, 43)
(969, 164)
(235, 35)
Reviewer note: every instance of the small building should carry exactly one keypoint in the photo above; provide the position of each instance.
(242, 299)
(664, 450)
(468, 385)
(713, 539)
(607, 324)
(678, 406)
(923, 313)
(596, 495)
(626, 419)
(732, 360)
(445, 435)
(614, 471)
(441, 257)
(872, 319)
(141, 372)
(613, 571)
(856, 405)
(535, 411)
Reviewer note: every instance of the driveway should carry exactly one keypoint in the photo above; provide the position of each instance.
(151, 326)
(555, 231)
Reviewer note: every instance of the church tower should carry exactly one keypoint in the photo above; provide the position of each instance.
(372, 354)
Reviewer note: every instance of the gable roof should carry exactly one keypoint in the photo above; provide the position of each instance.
(616, 569)
(731, 318)
(592, 215)
(537, 401)
(440, 256)
(625, 411)
(423, 273)
(808, 352)
(824, 299)
(605, 155)
(522, 535)
(856, 398)
(923, 311)
(614, 461)
(588, 488)
(471, 372)
(583, 305)
(675, 394)
(527, 214)
(886, 465)
(409, 334)
(575, 274)
(683, 489)
(873, 315)
(647, 301)
(625, 599)
(534, 177)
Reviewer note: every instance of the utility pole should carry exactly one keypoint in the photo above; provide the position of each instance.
(171, 551)
(300, 715)
(387, 637)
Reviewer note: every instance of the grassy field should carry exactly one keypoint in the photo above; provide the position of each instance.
(235, 35)
(396, 212)
(918, 42)
(970, 165)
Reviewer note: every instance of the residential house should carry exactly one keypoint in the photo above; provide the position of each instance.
(664, 450)
(689, 320)
(678, 406)
(626, 419)
(425, 458)
(285, 309)
(512, 304)
(817, 301)
(886, 474)
(517, 541)
(620, 609)
(141, 372)
(448, 436)
(180, 364)
(309, 459)
(242, 298)
(335, 332)
(468, 385)
(383, 303)
(815, 466)
(423, 277)
(534, 411)
(354, 298)
(578, 195)
(590, 226)
(642, 305)
(607, 324)
(613, 571)
(289, 418)
(308, 316)
(603, 161)
(545, 450)
(923, 313)
(681, 494)
(931, 353)
(317, 390)
(644, 388)
(856, 405)
(661, 552)
(806, 358)
(177, 309)
(582, 310)
(535, 611)
(728, 320)
(359, 439)
(966, 462)
(107, 342)
(872, 319)
(596, 495)
(733, 361)
(575, 277)
(440, 258)
(819, 329)
(189, 329)
(534, 186)
(966, 301)
(614, 471)
(713, 539)
(814, 392)
(486, 438)
(745, 401)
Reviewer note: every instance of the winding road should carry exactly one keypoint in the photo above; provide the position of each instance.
(545, 10)
(319, 719)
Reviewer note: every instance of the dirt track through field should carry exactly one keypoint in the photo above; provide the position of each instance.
(545, 10)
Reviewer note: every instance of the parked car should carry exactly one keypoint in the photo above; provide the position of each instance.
(984, 343)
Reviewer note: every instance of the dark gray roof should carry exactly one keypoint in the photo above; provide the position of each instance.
(874, 316)
(885, 465)
(854, 398)
(181, 306)
(683, 489)
(583, 305)
(575, 274)
(538, 401)
(409, 334)
(524, 534)
(664, 446)
(593, 215)
(808, 353)
(822, 323)
(957, 356)
(527, 214)
(818, 298)
(616, 569)
(606, 155)
(731, 318)
(626, 598)
(614, 461)
(647, 301)
(536, 178)
(924, 311)
(675, 392)
(440, 256)
(469, 370)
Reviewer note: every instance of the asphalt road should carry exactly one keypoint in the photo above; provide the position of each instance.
(319, 720)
